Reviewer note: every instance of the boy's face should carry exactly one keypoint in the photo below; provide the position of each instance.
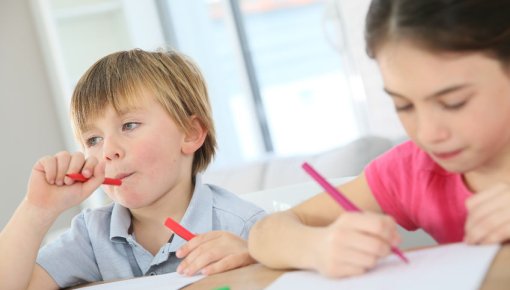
(143, 147)
(455, 106)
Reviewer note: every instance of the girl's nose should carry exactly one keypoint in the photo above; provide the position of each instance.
(431, 130)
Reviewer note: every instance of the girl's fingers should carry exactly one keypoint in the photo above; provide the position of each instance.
(367, 244)
(499, 201)
(382, 227)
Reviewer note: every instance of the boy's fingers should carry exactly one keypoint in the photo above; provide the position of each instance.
(227, 263)
(195, 243)
(192, 256)
(63, 158)
(96, 180)
(75, 165)
(204, 258)
(91, 165)
(48, 165)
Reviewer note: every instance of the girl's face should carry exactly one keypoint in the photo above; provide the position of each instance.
(455, 106)
(143, 147)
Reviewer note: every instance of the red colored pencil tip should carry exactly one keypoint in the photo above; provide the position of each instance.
(108, 181)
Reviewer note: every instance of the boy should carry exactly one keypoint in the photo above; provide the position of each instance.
(144, 118)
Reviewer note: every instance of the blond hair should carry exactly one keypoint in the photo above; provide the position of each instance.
(118, 80)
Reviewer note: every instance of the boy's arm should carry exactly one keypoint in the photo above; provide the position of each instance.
(319, 235)
(19, 242)
(49, 194)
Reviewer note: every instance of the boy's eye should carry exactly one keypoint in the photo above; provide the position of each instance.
(92, 141)
(130, 126)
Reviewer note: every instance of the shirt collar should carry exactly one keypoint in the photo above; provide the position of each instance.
(120, 223)
(197, 218)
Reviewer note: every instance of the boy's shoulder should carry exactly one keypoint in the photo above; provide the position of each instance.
(230, 203)
(91, 217)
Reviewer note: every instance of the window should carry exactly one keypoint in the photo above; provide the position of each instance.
(278, 84)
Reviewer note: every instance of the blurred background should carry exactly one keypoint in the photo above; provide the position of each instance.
(285, 77)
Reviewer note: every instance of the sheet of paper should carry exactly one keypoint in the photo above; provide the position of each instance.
(453, 266)
(170, 281)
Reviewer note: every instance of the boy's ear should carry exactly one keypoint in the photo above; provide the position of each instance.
(194, 139)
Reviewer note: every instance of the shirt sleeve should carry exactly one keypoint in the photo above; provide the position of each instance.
(70, 259)
(389, 178)
(250, 222)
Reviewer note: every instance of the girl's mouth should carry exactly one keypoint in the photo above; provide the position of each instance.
(447, 155)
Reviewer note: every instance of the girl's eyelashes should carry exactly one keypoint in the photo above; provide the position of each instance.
(454, 106)
(404, 108)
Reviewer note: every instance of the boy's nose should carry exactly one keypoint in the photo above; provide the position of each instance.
(112, 150)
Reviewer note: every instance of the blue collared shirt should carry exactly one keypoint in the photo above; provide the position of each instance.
(94, 248)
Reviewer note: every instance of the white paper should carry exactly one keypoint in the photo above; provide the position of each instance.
(168, 281)
(453, 266)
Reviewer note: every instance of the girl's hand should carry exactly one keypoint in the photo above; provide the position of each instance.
(50, 190)
(354, 243)
(213, 252)
(488, 219)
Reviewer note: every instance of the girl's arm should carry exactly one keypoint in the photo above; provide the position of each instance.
(319, 235)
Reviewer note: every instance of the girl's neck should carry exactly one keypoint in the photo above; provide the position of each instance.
(487, 176)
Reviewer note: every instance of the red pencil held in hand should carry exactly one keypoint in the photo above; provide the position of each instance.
(79, 177)
(178, 229)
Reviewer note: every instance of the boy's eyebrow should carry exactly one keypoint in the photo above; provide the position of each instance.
(439, 93)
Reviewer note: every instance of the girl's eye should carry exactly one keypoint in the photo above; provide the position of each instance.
(92, 141)
(405, 108)
(130, 126)
(454, 106)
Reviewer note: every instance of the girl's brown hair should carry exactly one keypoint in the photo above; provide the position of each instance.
(442, 25)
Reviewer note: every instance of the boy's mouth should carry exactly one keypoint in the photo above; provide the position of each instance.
(123, 175)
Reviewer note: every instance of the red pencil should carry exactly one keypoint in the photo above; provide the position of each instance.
(178, 229)
(341, 199)
(79, 177)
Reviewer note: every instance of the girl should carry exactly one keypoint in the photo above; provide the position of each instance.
(445, 65)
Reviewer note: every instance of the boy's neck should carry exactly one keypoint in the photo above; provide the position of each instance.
(147, 224)
(173, 204)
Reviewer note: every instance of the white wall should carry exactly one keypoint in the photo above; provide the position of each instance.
(29, 128)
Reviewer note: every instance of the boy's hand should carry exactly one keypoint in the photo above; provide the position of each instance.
(49, 189)
(353, 244)
(488, 219)
(213, 252)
